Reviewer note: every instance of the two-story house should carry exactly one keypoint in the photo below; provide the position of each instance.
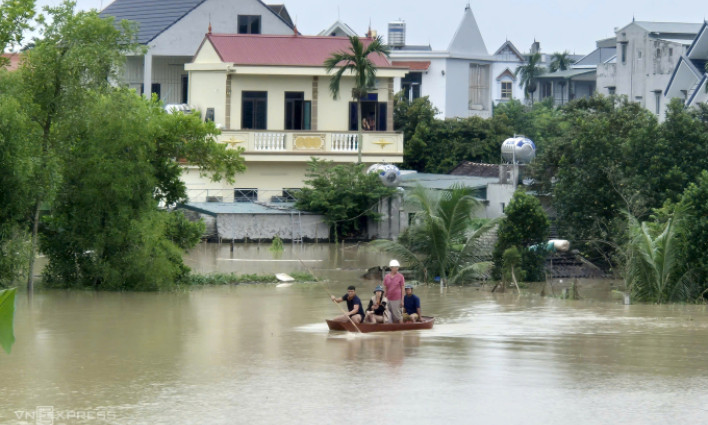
(172, 30)
(271, 96)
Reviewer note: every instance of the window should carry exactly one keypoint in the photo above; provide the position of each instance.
(245, 195)
(410, 84)
(156, 89)
(249, 24)
(506, 89)
(658, 53)
(611, 89)
(373, 111)
(479, 87)
(185, 88)
(254, 105)
(287, 196)
(671, 51)
(657, 100)
(546, 90)
(298, 111)
(209, 116)
(623, 50)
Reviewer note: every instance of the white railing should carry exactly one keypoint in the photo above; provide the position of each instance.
(345, 142)
(269, 141)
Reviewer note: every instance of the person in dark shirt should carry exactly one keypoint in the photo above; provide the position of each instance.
(355, 310)
(411, 305)
(377, 311)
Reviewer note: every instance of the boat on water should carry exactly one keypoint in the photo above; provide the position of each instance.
(426, 322)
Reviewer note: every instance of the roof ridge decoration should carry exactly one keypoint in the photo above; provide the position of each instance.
(467, 40)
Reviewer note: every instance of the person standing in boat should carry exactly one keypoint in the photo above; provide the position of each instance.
(411, 306)
(394, 282)
(377, 312)
(355, 310)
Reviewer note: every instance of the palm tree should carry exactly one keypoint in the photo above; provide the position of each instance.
(560, 61)
(442, 240)
(357, 62)
(653, 270)
(529, 73)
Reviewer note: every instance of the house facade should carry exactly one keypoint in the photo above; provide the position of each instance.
(505, 84)
(647, 54)
(458, 81)
(270, 95)
(173, 30)
(690, 76)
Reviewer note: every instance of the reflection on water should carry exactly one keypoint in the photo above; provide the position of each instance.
(257, 354)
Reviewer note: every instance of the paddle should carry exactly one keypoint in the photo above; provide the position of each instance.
(330, 295)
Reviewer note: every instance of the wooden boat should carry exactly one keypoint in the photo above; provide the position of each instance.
(426, 323)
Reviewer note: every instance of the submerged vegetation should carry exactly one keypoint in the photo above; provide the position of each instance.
(235, 279)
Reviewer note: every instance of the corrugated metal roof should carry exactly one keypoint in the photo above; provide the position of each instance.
(152, 16)
(214, 208)
(569, 73)
(285, 50)
(444, 181)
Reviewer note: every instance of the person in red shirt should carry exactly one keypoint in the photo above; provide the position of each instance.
(394, 283)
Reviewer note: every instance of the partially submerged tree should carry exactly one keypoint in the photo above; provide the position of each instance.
(344, 194)
(356, 62)
(442, 240)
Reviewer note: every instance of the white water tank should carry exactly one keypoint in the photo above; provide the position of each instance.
(389, 174)
(518, 150)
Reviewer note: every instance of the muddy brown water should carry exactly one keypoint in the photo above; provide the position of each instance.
(258, 354)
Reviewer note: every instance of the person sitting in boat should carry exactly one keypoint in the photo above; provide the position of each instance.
(355, 309)
(411, 306)
(377, 311)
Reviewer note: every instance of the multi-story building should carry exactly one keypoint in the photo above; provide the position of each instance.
(271, 96)
(172, 30)
(647, 54)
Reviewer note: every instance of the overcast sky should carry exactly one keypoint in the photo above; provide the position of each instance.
(572, 25)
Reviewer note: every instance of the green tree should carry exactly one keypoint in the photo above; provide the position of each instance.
(694, 231)
(560, 61)
(344, 194)
(7, 312)
(524, 225)
(356, 61)
(654, 271)
(443, 240)
(529, 73)
(76, 52)
(15, 16)
(105, 230)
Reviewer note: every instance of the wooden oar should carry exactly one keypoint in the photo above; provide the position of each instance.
(330, 296)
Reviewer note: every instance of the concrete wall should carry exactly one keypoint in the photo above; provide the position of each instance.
(498, 196)
(267, 226)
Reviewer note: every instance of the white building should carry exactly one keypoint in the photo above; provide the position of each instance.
(458, 80)
(647, 54)
(172, 30)
(690, 76)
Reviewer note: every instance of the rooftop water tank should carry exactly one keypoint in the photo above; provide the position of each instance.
(389, 174)
(518, 149)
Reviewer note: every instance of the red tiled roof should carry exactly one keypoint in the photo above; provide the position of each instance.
(14, 61)
(414, 65)
(283, 50)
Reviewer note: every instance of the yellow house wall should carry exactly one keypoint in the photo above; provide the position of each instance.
(207, 90)
(276, 88)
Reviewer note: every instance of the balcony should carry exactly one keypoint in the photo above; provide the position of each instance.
(298, 146)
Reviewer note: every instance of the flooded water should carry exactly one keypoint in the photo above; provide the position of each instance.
(257, 354)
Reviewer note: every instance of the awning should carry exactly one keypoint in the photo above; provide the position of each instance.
(413, 65)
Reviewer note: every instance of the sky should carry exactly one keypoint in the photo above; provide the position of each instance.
(559, 25)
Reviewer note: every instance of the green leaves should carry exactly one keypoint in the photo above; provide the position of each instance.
(7, 313)
(345, 194)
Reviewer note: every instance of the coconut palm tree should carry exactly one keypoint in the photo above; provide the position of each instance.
(356, 62)
(441, 240)
(529, 73)
(653, 270)
(560, 61)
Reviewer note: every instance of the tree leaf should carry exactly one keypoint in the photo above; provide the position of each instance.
(7, 313)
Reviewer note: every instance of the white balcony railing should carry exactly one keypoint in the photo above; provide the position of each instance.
(344, 142)
(271, 141)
